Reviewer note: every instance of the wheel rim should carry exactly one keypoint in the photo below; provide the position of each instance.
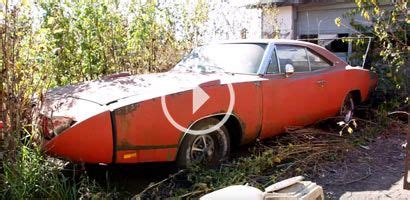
(347, 110)
(203, 148)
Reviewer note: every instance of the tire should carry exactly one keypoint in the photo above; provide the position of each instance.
(347, 109)
(193, 151)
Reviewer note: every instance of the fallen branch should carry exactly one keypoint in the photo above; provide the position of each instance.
(138, 196)
(191, 193)
(367, 121)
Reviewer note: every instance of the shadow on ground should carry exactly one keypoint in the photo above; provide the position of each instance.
(130, 179)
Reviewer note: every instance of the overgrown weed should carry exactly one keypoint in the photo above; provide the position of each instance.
(31, 175)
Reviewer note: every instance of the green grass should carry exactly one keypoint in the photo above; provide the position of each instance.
(30, 175)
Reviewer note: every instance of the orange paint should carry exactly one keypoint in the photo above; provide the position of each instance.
(89, 141)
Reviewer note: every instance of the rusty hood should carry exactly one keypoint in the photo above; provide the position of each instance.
(86, 99)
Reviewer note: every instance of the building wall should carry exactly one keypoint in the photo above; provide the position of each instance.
(285, 18)
(281, 20)
(320, 19)
(315, 22)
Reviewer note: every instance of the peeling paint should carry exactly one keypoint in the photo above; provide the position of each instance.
(126, 109)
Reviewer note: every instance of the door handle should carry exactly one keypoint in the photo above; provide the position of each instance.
(321, 83)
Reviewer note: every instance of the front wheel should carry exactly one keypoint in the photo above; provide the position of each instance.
(208, 149)
(347, 109)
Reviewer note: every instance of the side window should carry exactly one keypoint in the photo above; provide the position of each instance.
(273, 67)
(293, 55)
(317, 62)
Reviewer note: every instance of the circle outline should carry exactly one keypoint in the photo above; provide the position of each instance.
(208, 130)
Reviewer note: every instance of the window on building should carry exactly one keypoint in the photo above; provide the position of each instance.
(317, 62)
(293, 55)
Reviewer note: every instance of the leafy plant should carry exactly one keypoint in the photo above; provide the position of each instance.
(388, 28)
(49, 43)
(30, 175)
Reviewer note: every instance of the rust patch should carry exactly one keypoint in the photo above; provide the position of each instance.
(126, 109)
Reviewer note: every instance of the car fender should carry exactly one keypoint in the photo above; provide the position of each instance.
(216, 115)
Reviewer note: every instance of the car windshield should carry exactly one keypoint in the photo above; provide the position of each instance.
(232, 58)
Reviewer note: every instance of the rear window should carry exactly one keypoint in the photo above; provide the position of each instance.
(293, 55)
(317, 62)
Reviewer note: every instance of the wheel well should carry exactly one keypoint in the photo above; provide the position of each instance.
(232, 125)
(356, 96)
(234, 128)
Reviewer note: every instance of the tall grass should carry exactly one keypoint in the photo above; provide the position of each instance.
(31, 175)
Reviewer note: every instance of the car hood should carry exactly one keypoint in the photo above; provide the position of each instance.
(92, 97)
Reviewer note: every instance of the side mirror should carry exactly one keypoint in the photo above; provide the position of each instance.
(289, 70)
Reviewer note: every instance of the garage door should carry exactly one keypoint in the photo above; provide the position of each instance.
(321, 22)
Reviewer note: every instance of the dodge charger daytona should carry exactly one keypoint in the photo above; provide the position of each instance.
(276, 84)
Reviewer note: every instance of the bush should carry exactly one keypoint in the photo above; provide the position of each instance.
(50, 43)
(388, 27)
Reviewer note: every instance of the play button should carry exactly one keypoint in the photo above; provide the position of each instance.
(199, 97)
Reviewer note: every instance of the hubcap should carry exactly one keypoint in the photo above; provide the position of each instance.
(347, 110)
(203, 148)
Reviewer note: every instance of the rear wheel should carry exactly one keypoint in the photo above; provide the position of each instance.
(208, 149)
(347, 108)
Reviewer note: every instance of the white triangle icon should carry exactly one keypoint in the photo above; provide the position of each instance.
(199, 97)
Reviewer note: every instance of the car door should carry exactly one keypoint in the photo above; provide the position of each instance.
(292, 100)
(328, 86)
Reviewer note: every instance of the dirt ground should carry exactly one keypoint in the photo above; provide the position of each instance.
(374, 171)
(371, 172)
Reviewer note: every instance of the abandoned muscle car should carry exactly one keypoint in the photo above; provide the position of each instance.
(276, 84)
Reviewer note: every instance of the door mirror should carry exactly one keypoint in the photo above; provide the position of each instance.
(289, 69)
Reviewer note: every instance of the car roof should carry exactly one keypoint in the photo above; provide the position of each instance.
(261, 41)
(317, 48)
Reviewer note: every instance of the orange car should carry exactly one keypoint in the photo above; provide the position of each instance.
(256, 88)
